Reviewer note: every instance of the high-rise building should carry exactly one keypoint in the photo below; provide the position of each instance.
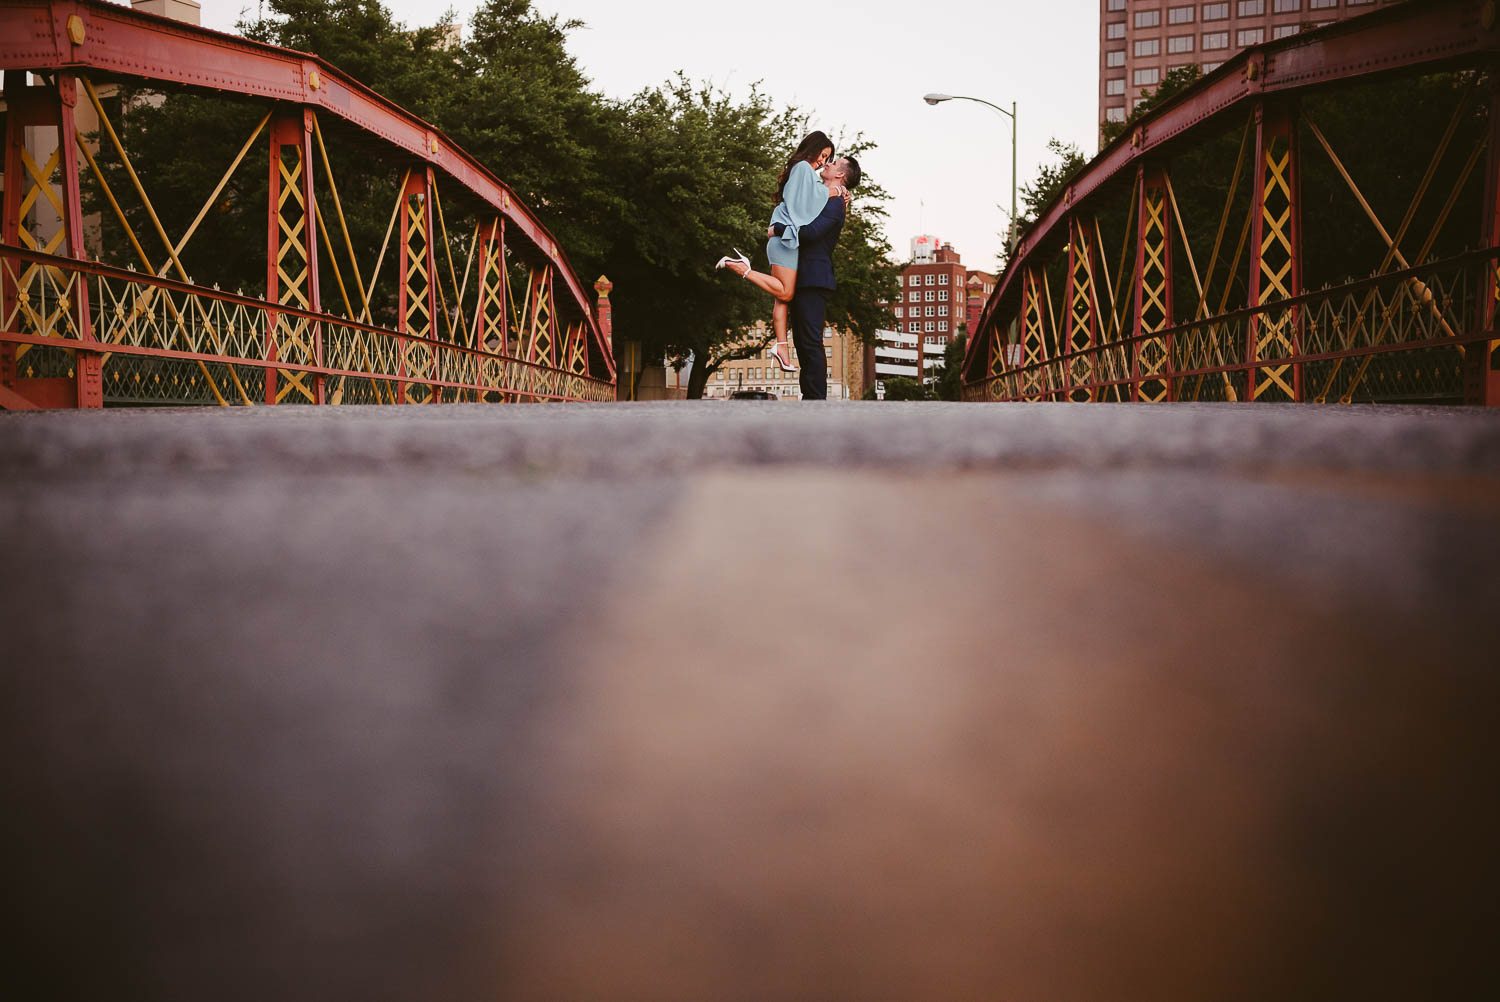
(1140, 41)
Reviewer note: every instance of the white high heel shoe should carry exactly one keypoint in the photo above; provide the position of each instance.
(739, 258)
(786, 366)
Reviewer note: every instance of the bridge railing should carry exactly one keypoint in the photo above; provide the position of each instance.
(1402, 336)
(163, 341)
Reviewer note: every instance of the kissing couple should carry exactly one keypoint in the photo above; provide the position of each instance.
(812, 201)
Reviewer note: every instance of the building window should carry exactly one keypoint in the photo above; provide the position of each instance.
(942, 311)
(914, 280)
(1147, 77)
(930, 326)
(913, 326)
(1148, 47)
(1114, 57)
(931, 311)
(930, 280)
(1210, 67)
(1115, 5)
(1115, 85)
(1251, 8)
(942, 295)
(1215, 40)
(1321, 4)
(1115, 29)
(1287, 6)
(1148, 18)
(1249, 36)
(943, 280)
(916, 297)
(1215, 11)
(1182, 43)
(1179, 15)
(898, 313)
(931, 296)
(942, 325)
(1283, 30)
(1115, 114)
(929, 339)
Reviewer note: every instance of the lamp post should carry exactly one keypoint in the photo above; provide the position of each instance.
(1010, 246)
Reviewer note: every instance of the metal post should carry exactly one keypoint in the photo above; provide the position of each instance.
(292, 261)
(1275, 255)
(1151, 358)
(1482, 359)
(1081, 317)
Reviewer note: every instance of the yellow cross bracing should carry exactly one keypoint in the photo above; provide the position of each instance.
(1274, 330)
(543, 337)
(1153, 309)
(37, 317)
(417, 358)
(1033, 333)
(292, 336)
(1082, 309)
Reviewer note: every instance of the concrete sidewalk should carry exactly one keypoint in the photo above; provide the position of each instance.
(726, 701)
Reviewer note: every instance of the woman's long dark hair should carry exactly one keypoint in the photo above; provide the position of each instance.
(807, 150)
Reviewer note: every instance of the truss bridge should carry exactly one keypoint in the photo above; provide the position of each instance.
(1317, 220)
(103, 301)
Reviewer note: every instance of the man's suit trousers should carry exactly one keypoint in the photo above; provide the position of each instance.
(808, 309)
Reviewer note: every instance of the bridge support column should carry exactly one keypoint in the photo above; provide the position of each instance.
(1151, 356)
(417, 304)
(1082, 316)
(1033, 336)
(1275, 255)
(43, 212)
(292, 262)
(1482, 360)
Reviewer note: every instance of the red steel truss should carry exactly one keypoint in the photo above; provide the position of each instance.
(1124, 344)
(541, 342)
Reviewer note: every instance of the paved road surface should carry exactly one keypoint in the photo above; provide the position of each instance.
(747, 702)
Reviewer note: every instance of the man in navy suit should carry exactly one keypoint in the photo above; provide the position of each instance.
(815, 280)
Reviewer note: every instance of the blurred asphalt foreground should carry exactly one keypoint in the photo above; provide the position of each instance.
(707, 701)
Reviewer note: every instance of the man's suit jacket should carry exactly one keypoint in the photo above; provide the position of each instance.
(815, 247)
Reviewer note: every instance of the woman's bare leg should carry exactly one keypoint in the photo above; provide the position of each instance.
(781, 284)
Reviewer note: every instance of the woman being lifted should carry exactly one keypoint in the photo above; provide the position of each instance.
(800, 197)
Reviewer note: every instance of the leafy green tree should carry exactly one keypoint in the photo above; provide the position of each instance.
(906, 388)
(949, 385)
(1050, 180)
(1174, 82)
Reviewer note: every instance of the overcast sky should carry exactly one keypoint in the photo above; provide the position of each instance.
(862, 66)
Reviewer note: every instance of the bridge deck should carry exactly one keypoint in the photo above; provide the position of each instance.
(722, 701)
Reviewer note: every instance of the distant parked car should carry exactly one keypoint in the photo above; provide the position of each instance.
(752, 395)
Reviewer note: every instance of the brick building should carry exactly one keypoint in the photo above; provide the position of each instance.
(932, 309)
(977, 286)
(762, 372)
(1140, 41)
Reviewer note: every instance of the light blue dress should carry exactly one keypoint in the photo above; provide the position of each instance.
(802, 198)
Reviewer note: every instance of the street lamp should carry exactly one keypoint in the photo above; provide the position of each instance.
(936, 98)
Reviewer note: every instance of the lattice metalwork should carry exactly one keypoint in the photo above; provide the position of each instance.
(1153, 290)
(1273, 335)
(292, 336)
(417, 358)
(1082, 312)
